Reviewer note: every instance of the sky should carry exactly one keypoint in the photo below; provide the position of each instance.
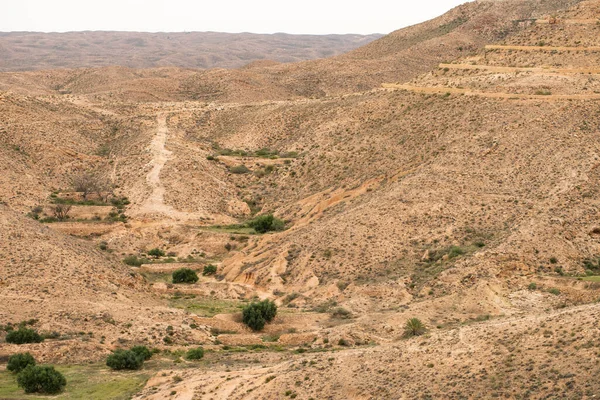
(256, 16)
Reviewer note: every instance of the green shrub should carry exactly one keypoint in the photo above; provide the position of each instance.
(36, 379)
(266, 223)
(142, 351)
(414, 327)
(134, 261)
(554, 291)
(156, 253)
(18, 362)
(239, 169)
(195, 354)
(341, 313)
(455, 251)
(124, 359)
(532, 286)
(209, 270)
(185, 275)
(23, 335)
(256, 314)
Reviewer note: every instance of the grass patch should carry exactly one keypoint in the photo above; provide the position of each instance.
(207, 307)
(591, 278)
(258, 225)
(237, 229)
(90, 382)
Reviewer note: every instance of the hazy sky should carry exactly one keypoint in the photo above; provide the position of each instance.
(258, 16)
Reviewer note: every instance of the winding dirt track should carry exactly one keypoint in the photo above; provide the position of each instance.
(541, 48)
(569, 22)
(155, 204)
(492, 95)
(494, 68)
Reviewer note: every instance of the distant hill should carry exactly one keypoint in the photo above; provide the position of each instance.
(24, 51)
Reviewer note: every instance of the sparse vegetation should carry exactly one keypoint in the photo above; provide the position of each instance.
(239, 169)
(134, 261)
(89, 182)
(61, 211)
(414, 327)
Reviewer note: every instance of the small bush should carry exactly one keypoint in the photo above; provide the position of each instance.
(266, 223)
(532, 286)
(341, 313)
(124, 359)
(255, 315)
(185, 275)
(134, 261)
(239, 169)
(156, 253)
(455, 251)
(209, 270)
(18, 362)
(554, 291)
(142, 351)
(23, 335)
(195, 354)
(414, 327)
(35, 379)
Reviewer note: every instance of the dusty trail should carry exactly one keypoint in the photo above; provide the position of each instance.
(493, 95)
(569, 22)
(155, 205)
(542, 48)
(494, 68)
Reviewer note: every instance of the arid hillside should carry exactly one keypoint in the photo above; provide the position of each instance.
(459, 188)
(26, 51)
(399, 56)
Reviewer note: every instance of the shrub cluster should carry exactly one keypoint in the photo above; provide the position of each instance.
(257, 314)
(156, 253)
(128, 359)
(134, 261)
(18, 362)
(195, 354)
(239, 169)
(209, 270)
(23, 335)
(41, 379)
(266, 223)
(142, 351)
(185, 275)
